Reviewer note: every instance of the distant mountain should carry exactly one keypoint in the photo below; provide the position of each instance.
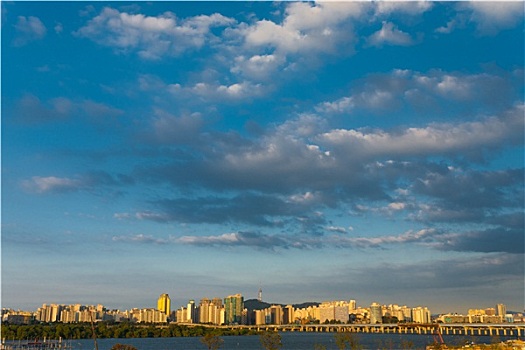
(305, 305)
(254, 304)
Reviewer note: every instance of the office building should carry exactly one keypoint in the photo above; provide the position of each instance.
(164, 304)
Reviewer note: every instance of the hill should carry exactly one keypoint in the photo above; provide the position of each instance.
(254, 304)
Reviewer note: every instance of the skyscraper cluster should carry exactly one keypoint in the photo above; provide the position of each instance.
(231, 310)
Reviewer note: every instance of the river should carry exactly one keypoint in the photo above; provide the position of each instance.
(290, 341)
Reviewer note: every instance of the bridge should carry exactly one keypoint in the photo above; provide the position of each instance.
(478, 329)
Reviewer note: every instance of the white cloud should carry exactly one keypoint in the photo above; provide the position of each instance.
(454, 86)
(407, 237)
(148, 215)
(338, 229)
(258, 67)
(49, 184)
(433, 139)
(390, 35)
(396, 206)
(215, 91)
(28, 29)
(372, 100)
(307, 28)
(249, 239)
(493, 16)
(405, 7)
(141, 238)
(151, 37)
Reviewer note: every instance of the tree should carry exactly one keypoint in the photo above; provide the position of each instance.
(342, 340)
(271, 340)
(119, 346)
(212, 341)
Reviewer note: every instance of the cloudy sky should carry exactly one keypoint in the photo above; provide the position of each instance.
(323, 151)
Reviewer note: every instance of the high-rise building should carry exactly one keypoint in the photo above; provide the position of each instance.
(233, 306)
(352, 305)
(421, 315)
(276, 314)
(191, 312)
(205, 311)
(376, 313)
(164, 304)
(288, 314)
(501, 309)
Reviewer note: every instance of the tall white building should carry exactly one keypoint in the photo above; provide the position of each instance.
(420, 315)
(376, 313)
(501, 310)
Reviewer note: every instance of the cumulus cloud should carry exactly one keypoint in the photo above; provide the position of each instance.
(151, 37)
(434, 139)
(298, 169)
(424, 91)
(214, 91)
(492, 16)
(405, 7)
(28, 29)
(389, 34)
(312, 28)
(258, 67)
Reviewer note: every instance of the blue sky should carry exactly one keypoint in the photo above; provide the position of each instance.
(323, 151)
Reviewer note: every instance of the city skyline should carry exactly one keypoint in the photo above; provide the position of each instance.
(233, 310)
(319, 150)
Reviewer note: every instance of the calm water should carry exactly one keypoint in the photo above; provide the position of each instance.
(291, 341)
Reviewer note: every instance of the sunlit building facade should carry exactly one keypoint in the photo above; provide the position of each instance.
(376, 313)
(164, 304)
(233, 307)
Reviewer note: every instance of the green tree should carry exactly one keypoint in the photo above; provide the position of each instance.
(346, 340)
(212, 341)
(270, 340)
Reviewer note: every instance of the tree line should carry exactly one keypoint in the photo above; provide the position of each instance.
(106, 330)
